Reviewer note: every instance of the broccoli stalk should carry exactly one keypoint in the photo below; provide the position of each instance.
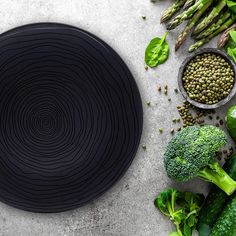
(215, 174)
(191, 153)
(182, 208)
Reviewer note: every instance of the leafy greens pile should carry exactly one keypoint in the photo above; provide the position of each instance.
(182, 208)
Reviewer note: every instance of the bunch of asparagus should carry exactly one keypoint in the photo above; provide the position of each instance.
(206, 19)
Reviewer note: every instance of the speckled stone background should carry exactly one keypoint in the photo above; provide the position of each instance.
(127, 209)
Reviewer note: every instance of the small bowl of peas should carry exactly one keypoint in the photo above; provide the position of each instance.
(207, 78)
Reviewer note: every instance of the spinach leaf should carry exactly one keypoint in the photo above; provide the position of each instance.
(157, 51)
(232, 5)
(187, 230)
(232, 52)
(174, 234)
(233, 35)
(231, 45)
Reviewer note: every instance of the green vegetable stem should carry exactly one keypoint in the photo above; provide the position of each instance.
(169, 12)
(222, 28)
(157, 51)
(191, 153)
(188, 4)
(186, 14)
(192, 22)
(208, 20)
(215, 25)
(182, 208)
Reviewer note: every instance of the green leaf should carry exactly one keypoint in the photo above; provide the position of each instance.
(232, 52)
(230, 44)
(161, 205)
(192, 220)
(179, 216)
(174, 234)
(193, 201)
(204, 229)
(232, 34)
(230, 47)
(187, 230)
(182, 208)
(157, 51)
(231, 5)
(165, 201)
(188, 197)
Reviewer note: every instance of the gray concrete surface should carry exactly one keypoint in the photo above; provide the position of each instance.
(127, 209)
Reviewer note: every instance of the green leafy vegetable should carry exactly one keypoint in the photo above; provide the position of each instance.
(231, 5)
(157, 51)
(233, 35)
(232, 52)
(174, 234)
(230, 47)
(182, 208)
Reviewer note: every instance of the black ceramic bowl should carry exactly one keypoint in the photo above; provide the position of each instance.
(182, 69)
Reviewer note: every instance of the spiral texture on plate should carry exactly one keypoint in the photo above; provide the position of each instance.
(70, 117)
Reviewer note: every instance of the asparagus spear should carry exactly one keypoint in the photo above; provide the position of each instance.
(186, 14)
(191, 24)
(225, 36)
(199, 43)
(170, 11)
(222, 19)
(208, 19)
(188, 4)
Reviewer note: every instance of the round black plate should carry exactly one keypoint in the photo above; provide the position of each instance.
(70, 117)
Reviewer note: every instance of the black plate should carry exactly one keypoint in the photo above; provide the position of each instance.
(70, 117)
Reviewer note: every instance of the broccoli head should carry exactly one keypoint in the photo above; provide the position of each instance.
(191, 153)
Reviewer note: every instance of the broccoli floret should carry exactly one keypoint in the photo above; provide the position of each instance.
(182, 208)
(191, 153)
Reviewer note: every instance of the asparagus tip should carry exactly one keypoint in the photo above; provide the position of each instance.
(177, 46)
(194, 34)
(162, 20)
(192, 48)
(199, 36)
(179, 42)
(164, 17)
(170, 26)
(186, 6)
(225, 36)
(222, 41)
